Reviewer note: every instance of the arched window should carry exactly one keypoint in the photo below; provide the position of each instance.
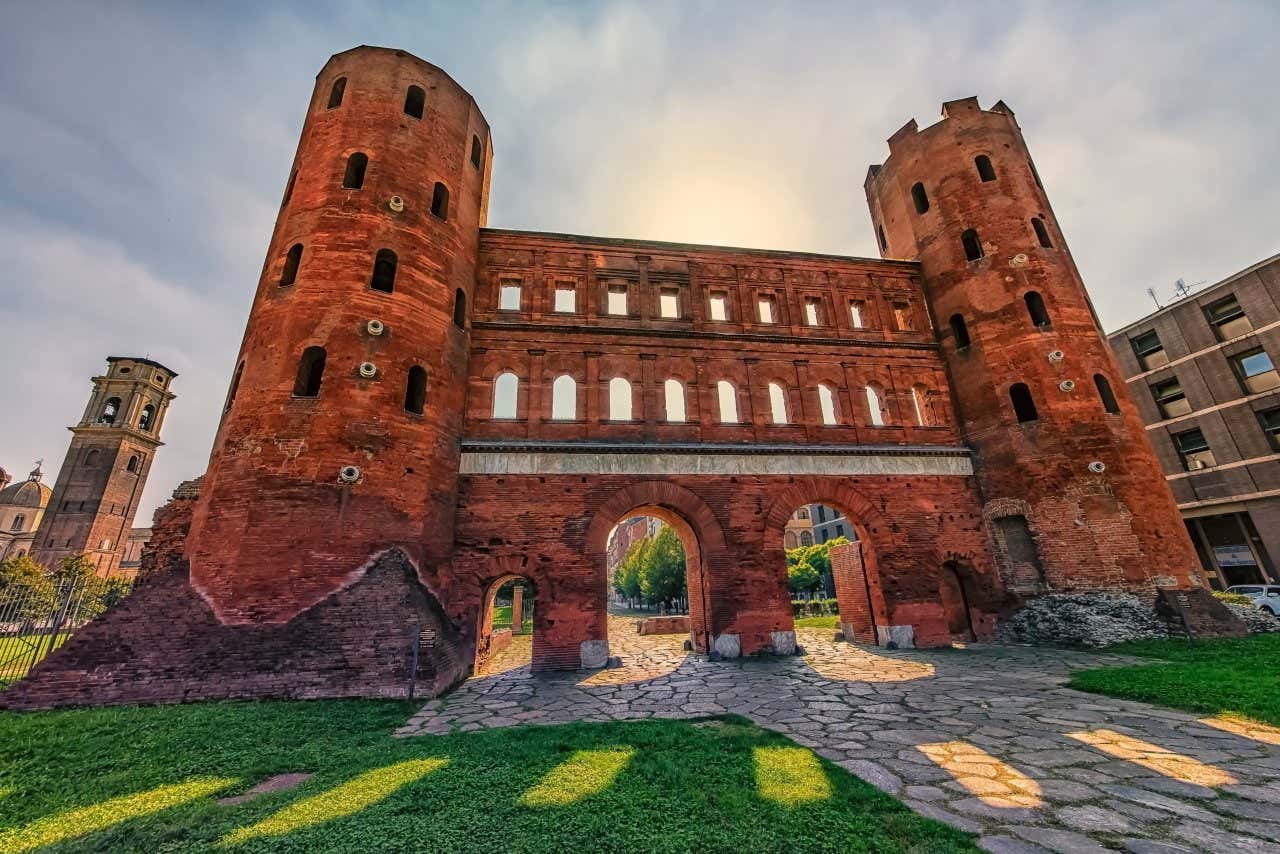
(414, 100)
(132, 465)
(884, 244)
(354, 177)
(109, 411)
(673, 391)
(146, 419)
(415, 390)
(728, 399)
(1035, 308)
(960, 331)
(1023, 406)
(777, 404)
(335, 94)
(564, 399)
(1042, 233)
(875, 406)
(235, 385)
(789, 540)
(440, 201)
(460, 309)
(920, 197)
(920, 403)
(986, 171)
(827, 403)
(806, 539)
(289, 273)
(972, 245)
(91, 458)
(384, 271)
(1105, 393)
(506, 388)
(619, 399)
(310, 372)
(477, 152)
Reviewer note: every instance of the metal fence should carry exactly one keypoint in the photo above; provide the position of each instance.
(35, 622)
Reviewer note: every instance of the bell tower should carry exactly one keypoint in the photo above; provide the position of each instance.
(100, 483)
(1073, 495)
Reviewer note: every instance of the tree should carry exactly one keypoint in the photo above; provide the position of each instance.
(663, 568)
(626, 578)
(802, 577)
(25, 585)
(817, 557)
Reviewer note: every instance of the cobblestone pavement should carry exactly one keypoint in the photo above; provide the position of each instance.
(983, 738)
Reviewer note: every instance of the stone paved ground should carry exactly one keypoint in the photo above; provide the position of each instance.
(983, 738)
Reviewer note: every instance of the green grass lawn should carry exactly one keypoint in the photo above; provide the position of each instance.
(19, 653)
(502, 617)
(147, 779)
(1236, 677)
(827, 622)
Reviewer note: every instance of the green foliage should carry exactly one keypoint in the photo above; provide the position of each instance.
(1219, 676)
(803, 576)
(653, 570)
(1232, 598)
(24, 581)
(818, 557)
(685, 786)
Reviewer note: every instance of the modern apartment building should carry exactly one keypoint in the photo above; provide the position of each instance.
(1202, 371)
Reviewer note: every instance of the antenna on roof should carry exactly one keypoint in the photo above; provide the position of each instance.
(1151, 292)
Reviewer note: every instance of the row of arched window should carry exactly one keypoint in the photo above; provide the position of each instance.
(1024, 406)
(111, 410)
(311, 375)
(621, 407)
(353, 179)
(1036, 311)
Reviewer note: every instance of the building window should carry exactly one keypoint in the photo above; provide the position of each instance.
(719, 306)
(460, 309)
(1255, 371)
(920, 197)
(18, 522)
(767, 308)
(509, 296)
(1042, 233)
(669, 303)
(146, 419)
(1194, 450)
(1015, 535)
(415, 390)
(806, 538)
(564, 398)
(1227, 318)
(109, 411)
(616, 303)
(336, 93)
(1035, 309)
(414, 100)
(902, 316)
(506, 388)
(353, 179)
(1149, 350)
(789, 540)
(566, 301)
(235, 385)
(972, 245)
(289, 272)
(827, 404)
(777, 404)
(477, 152)
(986, 171)
(728, 399)
(839, 530)
(310, 373)
(91, 458)
(813, 311)
(884, 244)
(875, 406)
(1106, 395)
(1023, 406)
(959, 331)
(619, 399)
(856, 308)
(1270, 421)
(673, 392)
(384, 271)
(920, 402)
(1170, 398)
(802, 513)
(440, 201)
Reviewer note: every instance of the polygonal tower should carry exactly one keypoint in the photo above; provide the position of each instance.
(1073, 495)
(101, 481)
(340, 437)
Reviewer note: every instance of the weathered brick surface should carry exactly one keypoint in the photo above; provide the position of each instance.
(170, 526)
(674, 624)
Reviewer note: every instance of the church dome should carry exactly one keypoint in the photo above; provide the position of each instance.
(28, 493)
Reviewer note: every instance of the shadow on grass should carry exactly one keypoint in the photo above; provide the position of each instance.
(712, 785)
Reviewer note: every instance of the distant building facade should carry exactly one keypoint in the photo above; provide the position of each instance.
(814, 524)
(1203, 373)
(22, 506)
(628, 533)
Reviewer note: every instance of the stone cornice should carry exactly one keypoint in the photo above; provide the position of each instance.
(696, 335)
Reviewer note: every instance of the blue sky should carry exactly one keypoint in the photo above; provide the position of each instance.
(147, 145)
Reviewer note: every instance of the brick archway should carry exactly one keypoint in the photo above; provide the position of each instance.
(509, 568)
(693, 522)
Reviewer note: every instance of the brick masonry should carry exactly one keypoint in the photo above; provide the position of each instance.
(283, 550)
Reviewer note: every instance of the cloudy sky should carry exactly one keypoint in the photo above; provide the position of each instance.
(146, 148)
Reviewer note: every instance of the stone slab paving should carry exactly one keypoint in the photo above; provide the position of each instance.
(984, 738)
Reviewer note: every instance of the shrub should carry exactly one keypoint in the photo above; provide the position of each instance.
(1232, 598)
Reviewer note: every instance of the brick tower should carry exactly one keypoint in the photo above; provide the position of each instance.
(1073, 495)
(340, 437)
(101, 480)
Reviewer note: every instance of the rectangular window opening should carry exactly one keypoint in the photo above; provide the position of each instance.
(1150, 351)
(1227, 318)
(509, 296)
(719, 306)
(1255, 371)
(669, 303)
(768, 313)
(1171, 399)
(617, 301)
(902, 316)
(813, 312)
(1194, 450)
(856, 312)
(566, 298)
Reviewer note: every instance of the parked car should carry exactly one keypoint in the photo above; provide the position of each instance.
(1265, 596)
